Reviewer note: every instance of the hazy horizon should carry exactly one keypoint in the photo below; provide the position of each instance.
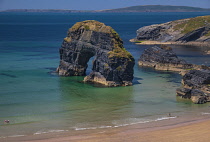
(94, 4)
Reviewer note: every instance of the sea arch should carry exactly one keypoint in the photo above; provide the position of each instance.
(112, 66)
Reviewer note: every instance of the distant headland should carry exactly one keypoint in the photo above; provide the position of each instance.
(191, 31)
(140, 8)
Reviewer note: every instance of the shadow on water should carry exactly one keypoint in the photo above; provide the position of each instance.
(136, 80)
(192, 54)
(8, 75)
(172, 76)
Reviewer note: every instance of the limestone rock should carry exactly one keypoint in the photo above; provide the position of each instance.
(196, 86)
(112, 66)
(163, 58)
(186, 31)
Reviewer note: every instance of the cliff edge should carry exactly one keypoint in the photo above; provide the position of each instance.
(192, 31)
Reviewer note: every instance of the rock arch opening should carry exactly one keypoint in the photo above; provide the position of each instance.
(85, 59)
(89, 68)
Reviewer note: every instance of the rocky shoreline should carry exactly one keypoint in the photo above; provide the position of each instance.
(196, 78)
(191, 31)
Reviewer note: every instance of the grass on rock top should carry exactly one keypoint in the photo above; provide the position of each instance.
(193, 24)
(208, 34)
(92, 25)
(120, 53)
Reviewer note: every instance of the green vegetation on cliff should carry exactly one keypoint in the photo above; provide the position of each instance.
(96, 26)
(208, 34)
(92, 25)
(119, 50)
(120, 53)
(193, 24)
(191, 31)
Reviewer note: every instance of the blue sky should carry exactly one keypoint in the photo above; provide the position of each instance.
(94, 4)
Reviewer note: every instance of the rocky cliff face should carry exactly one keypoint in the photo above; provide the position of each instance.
(196, 86)
(163, 58)
(192, 30)
(112, 66)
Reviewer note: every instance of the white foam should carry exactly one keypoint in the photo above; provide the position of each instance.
(50, 131)
(80, 129)
(133, 121)
(126, 122)
(205, 113)
(102, 127)
(164, 118)
(129, 121)
(16, 136)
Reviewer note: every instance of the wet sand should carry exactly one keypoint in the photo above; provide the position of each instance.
(195, 130)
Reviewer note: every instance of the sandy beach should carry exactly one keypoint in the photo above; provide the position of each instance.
(196, 130)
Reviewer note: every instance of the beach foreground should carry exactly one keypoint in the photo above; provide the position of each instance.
(191, 131)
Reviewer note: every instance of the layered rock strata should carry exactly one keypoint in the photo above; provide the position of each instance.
(163, 58)
(112, 65)
(192, 31)
(196, 86)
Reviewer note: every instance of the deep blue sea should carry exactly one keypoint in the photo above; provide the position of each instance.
(37, 101)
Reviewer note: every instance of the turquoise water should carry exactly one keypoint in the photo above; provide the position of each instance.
(36, 100)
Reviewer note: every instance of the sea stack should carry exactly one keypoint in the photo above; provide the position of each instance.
(195, 86)
(112, 65)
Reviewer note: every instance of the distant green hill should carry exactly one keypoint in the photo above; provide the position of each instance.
(140, 8)
(157, 8)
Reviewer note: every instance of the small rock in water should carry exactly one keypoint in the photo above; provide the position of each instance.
(195, 86)
(163, 58)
